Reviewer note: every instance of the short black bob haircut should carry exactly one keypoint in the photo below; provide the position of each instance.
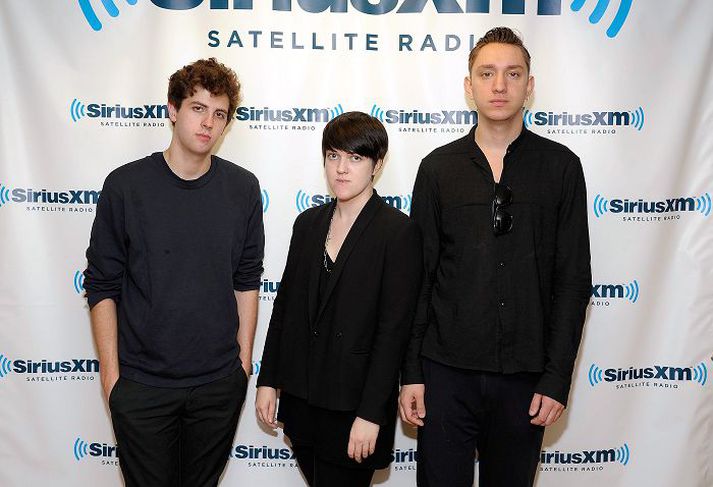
(356, 133)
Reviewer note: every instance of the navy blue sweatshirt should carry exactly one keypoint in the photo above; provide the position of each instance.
(170, 252)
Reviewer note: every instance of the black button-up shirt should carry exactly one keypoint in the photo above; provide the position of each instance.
(511, 303)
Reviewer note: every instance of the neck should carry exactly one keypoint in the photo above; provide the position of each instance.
(184, 164)
(497, 135)
(350, 209)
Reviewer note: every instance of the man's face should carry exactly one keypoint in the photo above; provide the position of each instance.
(200, 121)
(499, 82)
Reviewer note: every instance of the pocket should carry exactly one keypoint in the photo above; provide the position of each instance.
(112, 393)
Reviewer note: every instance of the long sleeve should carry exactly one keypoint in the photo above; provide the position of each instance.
(106, 255)
(249, 270)
(571, 287)
(425, 212)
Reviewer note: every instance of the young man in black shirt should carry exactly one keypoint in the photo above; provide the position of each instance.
(174, 265)
(507, 281)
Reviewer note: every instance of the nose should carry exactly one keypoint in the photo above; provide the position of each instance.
(499, 85)
(207, 121)
(342, 166)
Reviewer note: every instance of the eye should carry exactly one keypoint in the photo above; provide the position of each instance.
(356, 157)
(331, 156)
(197, 108)
(514, 74)
(220, 115)
(486, 74)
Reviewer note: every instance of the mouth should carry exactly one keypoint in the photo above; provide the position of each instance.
(203, 137)
(498, 103)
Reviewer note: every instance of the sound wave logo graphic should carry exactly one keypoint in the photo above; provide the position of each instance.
(76, 110)
(4, 195)
(527, 118)
(700, 373)
(637, 118)
(632, 291)
(600, 205)
(5, 366)
(623, 454)
(78, 282)
(595, 375)
(91, 16)
(265, 197)
(302, 201)
(81, 449)
(336, 111)
(400, 202)
(600, 9)
(377, 112)
(703, 204)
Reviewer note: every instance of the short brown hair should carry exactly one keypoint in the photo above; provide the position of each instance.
(500, 35)
(210, 74)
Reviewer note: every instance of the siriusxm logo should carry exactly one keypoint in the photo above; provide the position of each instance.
(29, 195)
(620, 455)
(78, 110)
(256, 365)
(628, 291)
(697, 373)
(265, 198)
(290, 115)
(304, 201)
(251, 452)
(78, 282)
(417, 117)
(44, 366)
(91, 16)
(82, 449)
(701, 204)
(634, 118)
(268, 290)
(381, 7)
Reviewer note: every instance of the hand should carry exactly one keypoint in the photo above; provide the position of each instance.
(265, 405)
(545, 410)
(362, 439)
(108, 380)
(411, 404)
(248, 369)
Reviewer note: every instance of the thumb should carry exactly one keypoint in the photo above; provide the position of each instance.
(535, 404)
(420, 406)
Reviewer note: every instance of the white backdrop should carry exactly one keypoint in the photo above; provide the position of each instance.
(626, 86)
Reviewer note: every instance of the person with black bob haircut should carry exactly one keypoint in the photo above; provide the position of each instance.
(342, 317)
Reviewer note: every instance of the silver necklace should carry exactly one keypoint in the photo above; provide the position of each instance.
(326, 241)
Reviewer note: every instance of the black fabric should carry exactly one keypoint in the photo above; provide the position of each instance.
(319, 473)
(509, 303)
(468, 410)
(171, 253)
(327, 432)
(343, 351)
(175, 437)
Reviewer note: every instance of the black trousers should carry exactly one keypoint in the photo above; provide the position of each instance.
(469, 410)
(321, 473)
(175, 437)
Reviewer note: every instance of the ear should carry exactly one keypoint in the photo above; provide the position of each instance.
(468, 87)
(172, 112)
(530, 85)
(377, 167)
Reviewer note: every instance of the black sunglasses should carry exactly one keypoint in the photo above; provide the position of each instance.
(502, 220)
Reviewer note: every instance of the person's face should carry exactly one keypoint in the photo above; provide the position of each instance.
(349, 175)
(499, 82)
(200, 121)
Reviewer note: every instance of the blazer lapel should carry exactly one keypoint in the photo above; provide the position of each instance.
(315, 254)
(360, 224)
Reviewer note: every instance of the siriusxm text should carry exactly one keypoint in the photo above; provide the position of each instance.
(50, 367)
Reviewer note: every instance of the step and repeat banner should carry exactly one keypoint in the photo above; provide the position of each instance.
(626, 84)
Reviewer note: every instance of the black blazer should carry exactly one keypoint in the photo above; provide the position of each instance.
(344, 352)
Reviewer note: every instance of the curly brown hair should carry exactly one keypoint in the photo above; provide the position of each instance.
(210, 74)
(500, 35)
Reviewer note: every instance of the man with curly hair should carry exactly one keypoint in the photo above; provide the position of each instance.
(174, 266)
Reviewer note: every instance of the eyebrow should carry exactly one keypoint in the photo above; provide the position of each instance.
(492, 66)
(206, 106)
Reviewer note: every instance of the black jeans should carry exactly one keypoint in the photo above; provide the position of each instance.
(469, 410)
(321, 473)
(175, 437)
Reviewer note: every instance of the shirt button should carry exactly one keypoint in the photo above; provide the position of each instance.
(339, 334)
(502, 304)
(315, 333)
(501, 264)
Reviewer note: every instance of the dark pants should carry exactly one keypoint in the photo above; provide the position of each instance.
(320, 473)
(469, 410)
(175, 437)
